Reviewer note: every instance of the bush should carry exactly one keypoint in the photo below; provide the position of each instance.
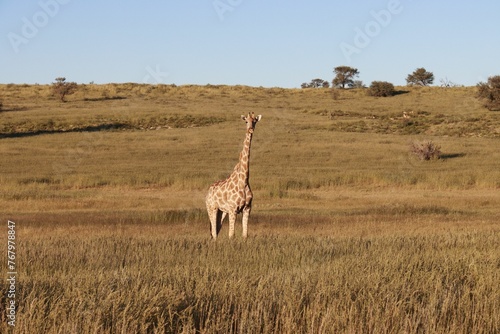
(490, 92)
(61, 88)
(358, 84)
(381, 88)
(316, 83)
(426, 150)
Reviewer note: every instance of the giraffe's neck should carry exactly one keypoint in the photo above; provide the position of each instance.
(242, 169)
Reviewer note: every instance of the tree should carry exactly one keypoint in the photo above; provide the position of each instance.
(344, 75)
(490, 92)
(420, 77)
(316, 83)
(381, 88)
(61, 88)
(447, 83)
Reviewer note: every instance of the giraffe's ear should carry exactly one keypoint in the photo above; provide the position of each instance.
(259, 117)
(243, 118)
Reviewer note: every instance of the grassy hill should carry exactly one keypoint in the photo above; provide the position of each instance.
(111, 184)
(175, 141)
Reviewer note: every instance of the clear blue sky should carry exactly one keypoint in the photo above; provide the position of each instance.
(259, 43)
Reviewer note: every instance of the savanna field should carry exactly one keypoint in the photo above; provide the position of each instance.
(349, 232)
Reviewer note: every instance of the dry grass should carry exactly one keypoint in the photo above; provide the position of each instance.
(349, 232)
(147, 277)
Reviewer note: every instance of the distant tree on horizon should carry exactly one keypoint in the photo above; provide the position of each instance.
(316, 83)
(344, 76)
(490, 92)
(447, 83)
(61, 88)
(420, 77)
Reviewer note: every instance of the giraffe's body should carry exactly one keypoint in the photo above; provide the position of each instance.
(233, 195)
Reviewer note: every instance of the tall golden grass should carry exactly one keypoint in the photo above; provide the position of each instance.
(156, 277)
(349, 232)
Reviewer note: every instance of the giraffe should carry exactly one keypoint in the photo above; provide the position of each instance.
(233, 195)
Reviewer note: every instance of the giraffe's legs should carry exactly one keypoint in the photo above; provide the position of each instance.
(246, 210)
(216, 217)
(220, 218)
(244, 221)
(212, 215)
(232, 220)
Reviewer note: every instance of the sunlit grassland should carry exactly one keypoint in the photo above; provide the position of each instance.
(349, 232)
(157, 277)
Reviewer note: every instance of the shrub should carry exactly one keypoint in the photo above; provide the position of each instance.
(316, 83)
(490, 92)
(426, 150)
(1, 105)
(447, 83)
(61, 88)
(381, 88)
(358, 84)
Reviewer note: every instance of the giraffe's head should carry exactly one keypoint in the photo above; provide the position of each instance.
(251, 121)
